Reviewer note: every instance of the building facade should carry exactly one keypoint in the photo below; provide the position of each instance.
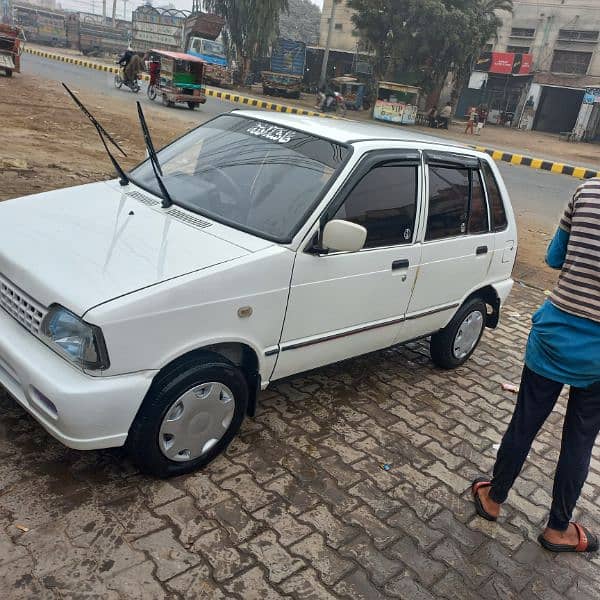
(344, 35)
(561, 92)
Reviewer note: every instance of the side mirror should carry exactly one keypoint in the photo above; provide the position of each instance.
(343, 236)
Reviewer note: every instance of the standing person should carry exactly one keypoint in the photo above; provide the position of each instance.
(445, 115)
(481, 119)
(432, 117)
(563, 349)
(472, 120)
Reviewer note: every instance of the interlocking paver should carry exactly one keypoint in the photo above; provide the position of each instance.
(377, 530)
(427, 569)
(222, 556)
(299, 506)
(330, 564)
(380, 568)
(335, 531)
(270, 553)
(169, 556)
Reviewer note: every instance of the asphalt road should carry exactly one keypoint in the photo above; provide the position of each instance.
(537, 194)
(102, 82)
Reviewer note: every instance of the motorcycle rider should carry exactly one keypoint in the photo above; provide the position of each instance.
(131, 65)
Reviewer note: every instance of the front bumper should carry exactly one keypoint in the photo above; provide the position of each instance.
(81, 411)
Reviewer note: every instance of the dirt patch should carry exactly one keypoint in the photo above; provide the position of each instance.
(47, 143)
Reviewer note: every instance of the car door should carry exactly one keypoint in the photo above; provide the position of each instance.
(343, 304)
(458, 242)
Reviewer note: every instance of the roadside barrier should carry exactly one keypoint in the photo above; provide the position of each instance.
(498, 155)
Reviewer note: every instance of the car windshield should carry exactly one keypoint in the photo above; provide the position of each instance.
(251, 174)
(213, 49)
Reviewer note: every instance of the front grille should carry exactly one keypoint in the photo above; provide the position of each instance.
(21, 306)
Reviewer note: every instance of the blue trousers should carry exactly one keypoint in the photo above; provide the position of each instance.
(536, 400)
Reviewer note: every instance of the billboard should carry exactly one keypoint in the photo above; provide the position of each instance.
(157, 28)
(504, 63)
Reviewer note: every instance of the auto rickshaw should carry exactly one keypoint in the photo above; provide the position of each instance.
(352, 90)
(176, 77)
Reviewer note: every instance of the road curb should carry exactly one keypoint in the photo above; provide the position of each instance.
(498, 155)
(211, 92)
(539, 163)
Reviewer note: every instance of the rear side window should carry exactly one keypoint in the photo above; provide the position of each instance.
(499, 221)
(384, 201)
(478, 214)
(448, 202)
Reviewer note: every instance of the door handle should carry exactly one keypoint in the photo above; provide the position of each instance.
(400, 264)
(481, 250)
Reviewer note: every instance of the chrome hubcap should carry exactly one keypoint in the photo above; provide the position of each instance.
(468, 334)
(196, 421)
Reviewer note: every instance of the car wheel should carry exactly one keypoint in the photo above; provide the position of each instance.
(189, 416)
(452, 346)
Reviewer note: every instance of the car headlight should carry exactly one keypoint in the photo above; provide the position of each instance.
(73, 338)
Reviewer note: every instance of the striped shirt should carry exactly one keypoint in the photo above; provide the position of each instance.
(578, 289)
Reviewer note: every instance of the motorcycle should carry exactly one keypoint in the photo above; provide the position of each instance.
(334, 102)
(120, 81)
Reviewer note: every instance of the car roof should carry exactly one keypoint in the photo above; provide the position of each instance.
(346, 131)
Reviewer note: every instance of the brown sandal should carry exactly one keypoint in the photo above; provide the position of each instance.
(479, 483)
(588, 542)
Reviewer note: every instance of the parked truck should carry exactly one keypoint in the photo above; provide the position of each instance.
(96, 35)
(200, 34)
(178, 30)
(288, 60)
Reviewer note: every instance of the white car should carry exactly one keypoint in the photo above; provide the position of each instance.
(292, 243)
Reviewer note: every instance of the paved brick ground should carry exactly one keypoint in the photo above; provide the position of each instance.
(299, 506)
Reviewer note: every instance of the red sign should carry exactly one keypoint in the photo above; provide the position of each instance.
(526, 63)
(502, 62)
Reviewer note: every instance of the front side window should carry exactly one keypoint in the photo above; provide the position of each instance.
(457, 204)
(384, 201)
(250, 174)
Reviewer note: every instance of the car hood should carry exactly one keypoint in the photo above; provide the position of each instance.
(85, 245)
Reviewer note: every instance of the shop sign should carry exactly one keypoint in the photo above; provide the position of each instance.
(591, 96)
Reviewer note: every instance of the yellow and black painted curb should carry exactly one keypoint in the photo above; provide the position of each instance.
(538, 163)
(498, 155)
(211, 92)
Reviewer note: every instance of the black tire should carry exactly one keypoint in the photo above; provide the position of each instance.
(442, 343)
(143, 438)
(151, 91)
(191, 105)
(8, 72)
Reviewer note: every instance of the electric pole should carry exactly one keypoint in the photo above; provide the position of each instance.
(125, 9)
(104, 9)
(323, 78)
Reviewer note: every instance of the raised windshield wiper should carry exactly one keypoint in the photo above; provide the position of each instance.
(123, 179)
(166, 197)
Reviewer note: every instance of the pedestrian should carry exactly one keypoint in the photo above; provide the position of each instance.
(481, 119)
(472, 120)
(432, 117)
(445, 115)
(563, 349)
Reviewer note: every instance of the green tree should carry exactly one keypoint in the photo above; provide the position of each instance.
(426, 38)
(251, 26)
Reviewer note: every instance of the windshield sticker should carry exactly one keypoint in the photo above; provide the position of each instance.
(271, 132)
